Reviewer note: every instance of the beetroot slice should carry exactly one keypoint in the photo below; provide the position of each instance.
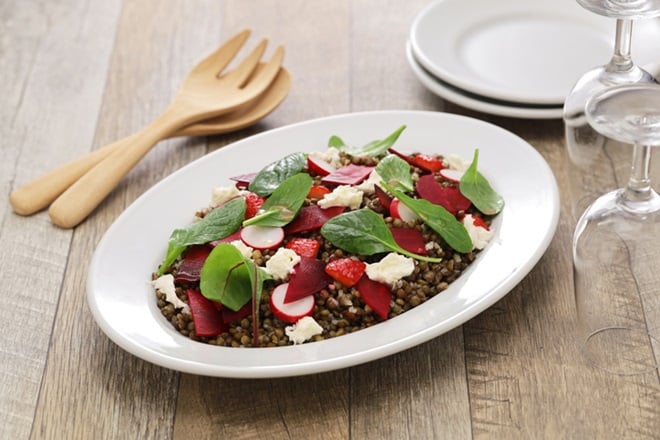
(348, 175)
(410, 239)
(376, 295)
(228, 239)
(311, 218)
(309, 277)
(243, 181)
(229, 315)
(449, 197)
(207, 318)
(383, 197)
(192, 263)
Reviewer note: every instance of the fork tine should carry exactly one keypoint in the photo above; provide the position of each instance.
(265, 75)
(242, 72)
(219, 59)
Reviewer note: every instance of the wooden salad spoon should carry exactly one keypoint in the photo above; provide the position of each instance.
(202, 95)
(42, 191)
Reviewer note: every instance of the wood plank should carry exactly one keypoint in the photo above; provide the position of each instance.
(53, 59)
(281, 408)
(92, 388)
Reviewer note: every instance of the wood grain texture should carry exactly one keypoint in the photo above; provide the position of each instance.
(77, 76)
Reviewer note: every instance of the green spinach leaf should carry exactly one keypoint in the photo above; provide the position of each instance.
(475, 187)
(269, 178)
(373, 148)
(395, 172)
(284, 203)
(364, 232)
(438, 219)
(218, 223)
(230, 278)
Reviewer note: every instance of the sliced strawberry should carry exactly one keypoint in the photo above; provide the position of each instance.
(229, 315)
(243, 181)
(207, 319)
(427, 162)
(316, 192)
(348, 175)
(305, 247)
(308, 278)
(311, 218)
(383, 197)
(410, 239)
(319, 166)
(347, 271)
(192, 263)
(228, 239)
(448, 197)
(376, 295)
(290, 312)
(253, 203)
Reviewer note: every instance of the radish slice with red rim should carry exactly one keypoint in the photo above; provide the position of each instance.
(451, 175)
(262, 237)
(290, 312)
(401, 211)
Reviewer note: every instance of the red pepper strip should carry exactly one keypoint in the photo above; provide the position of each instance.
(207, 319)
(346, 271)
(348, 175)
(192, 263)
(376, 295)
(305, 247)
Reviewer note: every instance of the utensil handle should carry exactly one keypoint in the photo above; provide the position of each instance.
(83, 196)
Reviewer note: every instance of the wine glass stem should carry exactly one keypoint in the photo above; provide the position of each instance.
(639, 194)
(621, 60)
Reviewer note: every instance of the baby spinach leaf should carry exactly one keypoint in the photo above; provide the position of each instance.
(271, 176)
(395, 172)
(438, 219)
(284, 203)
(373, 148)
(364, 232)
(218, 223)
(230, 278)
(476, 188)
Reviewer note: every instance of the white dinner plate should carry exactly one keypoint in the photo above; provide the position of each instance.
(526, 51)
(124, 305)
(476, 102)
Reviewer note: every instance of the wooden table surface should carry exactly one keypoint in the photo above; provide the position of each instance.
(77, 75)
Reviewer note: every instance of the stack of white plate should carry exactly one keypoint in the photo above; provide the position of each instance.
(516, 58)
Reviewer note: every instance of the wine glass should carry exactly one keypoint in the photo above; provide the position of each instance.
(592, 157)
(616, 246)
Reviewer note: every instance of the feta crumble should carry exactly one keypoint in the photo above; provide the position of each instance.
(165, 285)
(391, 268)
(479, 236)
(281, 264)
(456, 162)
(331, 155)
(343, 195)
(304, 329)
(367, 186)
(244, 249)
(223, 194)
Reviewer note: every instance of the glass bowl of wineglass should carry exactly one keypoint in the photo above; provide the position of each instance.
(616, 246)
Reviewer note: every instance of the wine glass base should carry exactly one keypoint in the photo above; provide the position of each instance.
(622, 351)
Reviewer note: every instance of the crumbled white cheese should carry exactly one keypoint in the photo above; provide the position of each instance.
(281, 264)
(456, 162)
(223, 194)
(367, 186)
(343, 195)
(244, 249)
(165, 285)
(480, 236)
(304, 329)
(331, 155)
(391, 268)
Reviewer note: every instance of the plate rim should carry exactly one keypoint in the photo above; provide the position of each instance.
(304, 363)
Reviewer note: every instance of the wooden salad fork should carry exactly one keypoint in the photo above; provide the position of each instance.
(43, 190)
(203, 94)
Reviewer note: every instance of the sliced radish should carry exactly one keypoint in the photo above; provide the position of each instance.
(262, 237)
(451, 175)
(290, 312)
(243, 181)
(319, 166)
(401, 211)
